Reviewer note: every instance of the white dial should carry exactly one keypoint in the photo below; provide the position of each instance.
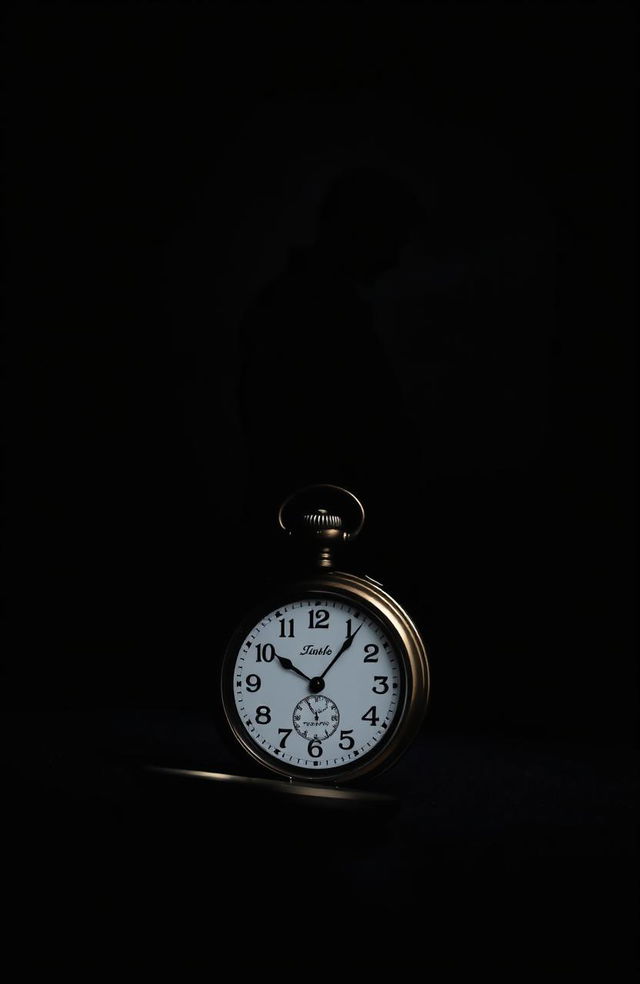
(317, 684)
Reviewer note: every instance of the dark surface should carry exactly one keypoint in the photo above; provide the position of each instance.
(203, 320)
(497, 853)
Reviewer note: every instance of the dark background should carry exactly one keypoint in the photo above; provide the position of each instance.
(163, 161)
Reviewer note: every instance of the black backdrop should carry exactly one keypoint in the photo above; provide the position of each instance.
(164, 161)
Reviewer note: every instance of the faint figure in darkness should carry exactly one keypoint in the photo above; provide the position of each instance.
(317, 396)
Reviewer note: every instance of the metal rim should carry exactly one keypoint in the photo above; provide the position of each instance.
(295, 790)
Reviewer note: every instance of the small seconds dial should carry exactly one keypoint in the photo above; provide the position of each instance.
(317, 684)
(316, 716)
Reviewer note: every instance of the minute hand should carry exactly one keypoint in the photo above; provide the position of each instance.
(345, 645)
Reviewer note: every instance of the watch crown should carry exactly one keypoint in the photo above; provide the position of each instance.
(321, 520)
(326, 529)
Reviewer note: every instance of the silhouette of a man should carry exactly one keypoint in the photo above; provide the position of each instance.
(318, 398)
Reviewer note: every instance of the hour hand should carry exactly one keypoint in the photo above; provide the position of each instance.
(286, 664)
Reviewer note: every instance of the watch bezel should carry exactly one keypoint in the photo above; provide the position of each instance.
(407, 643)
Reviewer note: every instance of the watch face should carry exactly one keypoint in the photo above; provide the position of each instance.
(315, 686)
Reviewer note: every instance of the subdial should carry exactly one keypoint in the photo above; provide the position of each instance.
(316, 717)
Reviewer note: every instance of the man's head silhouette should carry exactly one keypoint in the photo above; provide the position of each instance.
(364, 221)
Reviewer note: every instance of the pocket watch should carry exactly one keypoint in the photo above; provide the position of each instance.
(327, 678)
